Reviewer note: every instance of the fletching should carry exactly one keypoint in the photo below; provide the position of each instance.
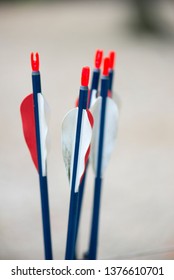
(93, 97)
(43, 122)
(111, 124)
(28, 124)
(29, 130)
(69, 127)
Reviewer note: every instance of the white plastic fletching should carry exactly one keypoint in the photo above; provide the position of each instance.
(111, 125)
(68, 138)
(85, 140)
(69, 127)
(44, 114)
(93, 97)
(95, 110)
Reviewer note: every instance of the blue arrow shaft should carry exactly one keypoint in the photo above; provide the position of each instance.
(42, 179)
(73, 209)
(94, 85)
(92, 252)
(111, 77)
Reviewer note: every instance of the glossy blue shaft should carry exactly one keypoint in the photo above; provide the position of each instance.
(42, 179)
(92, 252)
(94, 85)
(111, 77)
(74, 197)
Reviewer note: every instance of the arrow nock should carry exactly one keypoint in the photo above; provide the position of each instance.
(98, 58)
(85, 76)
(106, 66)
(35, 62)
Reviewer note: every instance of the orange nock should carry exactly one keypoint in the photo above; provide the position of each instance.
(106, 67)
(35, 62)
(112, 55)
(98, 58)
(85, 76)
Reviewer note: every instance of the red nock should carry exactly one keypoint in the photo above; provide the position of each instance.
(35, 62)
(112, 56)
(98, 58)
(106, 66)
(85, 76)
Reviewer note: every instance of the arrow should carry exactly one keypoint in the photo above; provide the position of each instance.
(92, 96)
(76, 138)
(33, 114)
(105, 113)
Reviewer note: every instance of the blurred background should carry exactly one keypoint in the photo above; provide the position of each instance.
(137, 215)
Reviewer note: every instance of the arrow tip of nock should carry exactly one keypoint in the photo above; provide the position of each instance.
(106, 66)
(35, 62)
(112, 56)
(98, 58)
(85, 76)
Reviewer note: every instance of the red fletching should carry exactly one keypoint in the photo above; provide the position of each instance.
(106, 67)
(77, 102)
(28, 124)
(98, 58)
(85, 76)
(112, 56)
(35, 62)
(91, 120)
(109, 94)
(90, 117)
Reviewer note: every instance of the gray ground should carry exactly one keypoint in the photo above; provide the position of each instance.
(137, 217)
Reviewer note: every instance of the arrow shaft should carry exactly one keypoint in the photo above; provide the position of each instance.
(46, 217)
(94, 86)
(42, 179)
(73, 209)
(92, 252)
(111, 75)
(80, 202)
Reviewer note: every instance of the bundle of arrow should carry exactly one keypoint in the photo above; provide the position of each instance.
(88, 136)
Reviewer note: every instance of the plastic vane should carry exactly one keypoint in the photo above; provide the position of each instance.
(29, 129)
(110, 133)
(28, 123)
(111, 123)
(69, 128)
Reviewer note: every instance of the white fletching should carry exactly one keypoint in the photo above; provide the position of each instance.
(93, 97)
(111, 125)
(69, 127)
(43, 110)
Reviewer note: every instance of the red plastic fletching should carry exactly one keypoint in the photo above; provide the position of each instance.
(35, 62)
(91, 120)
(112, 55)
(85, 76)
(98, 58)
(106, 66)
(28, 124)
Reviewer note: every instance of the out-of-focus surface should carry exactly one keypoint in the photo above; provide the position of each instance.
(137, 215)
